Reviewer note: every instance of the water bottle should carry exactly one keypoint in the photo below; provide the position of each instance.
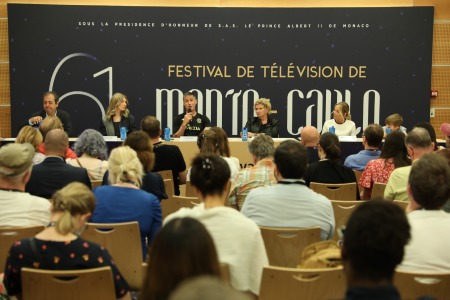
(333, 130)
(244, 134)
(123, 133)
(167, 134)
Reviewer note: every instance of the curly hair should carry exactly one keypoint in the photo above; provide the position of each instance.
(92, 143)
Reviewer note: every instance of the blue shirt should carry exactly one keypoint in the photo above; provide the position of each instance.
(359, 161)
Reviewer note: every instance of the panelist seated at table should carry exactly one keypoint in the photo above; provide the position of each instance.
(341, 122)
(191, 123)
(117, 115)
(50, 105)
(263, 123)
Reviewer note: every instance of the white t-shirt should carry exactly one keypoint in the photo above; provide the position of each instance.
(238, 242)
(22, 209)
(347, 128)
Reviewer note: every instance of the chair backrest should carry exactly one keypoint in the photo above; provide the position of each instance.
(176, 202)
(335, 191)
(290, 283)
(166, 174)
(358, 176)
(190, 191)
(96, 183)
(8, 235)
(86, 284)
(284, 246)
(403, 204)
(225, 272)
(123, 242)
(342, 211)
(170, 190)
(378, 190)
(412, 285)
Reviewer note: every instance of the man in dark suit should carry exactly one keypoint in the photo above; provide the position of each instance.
(53, 173)
(50, 103)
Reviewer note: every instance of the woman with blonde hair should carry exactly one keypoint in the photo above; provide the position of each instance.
(29, 134)
(341, 122)
(117, 116)
(59, 247)
(263, 123)
(123, 200)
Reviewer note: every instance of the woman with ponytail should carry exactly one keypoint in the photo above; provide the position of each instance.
(329, 168)
(58, 247)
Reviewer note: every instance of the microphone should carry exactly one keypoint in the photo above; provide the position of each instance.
(189, 111)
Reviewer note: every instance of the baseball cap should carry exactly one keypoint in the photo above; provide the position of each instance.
(15, 158)
(445, 129)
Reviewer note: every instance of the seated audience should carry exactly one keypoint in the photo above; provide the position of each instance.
(310, 138)
(372, 138)
(224, 145)
(329, 168)
(290, 203)
(92, 153)
(394, 123)
(29, 134)
(19, 209)
(53, 173)
(261, 174)
(263, 123)
(59, 247)
(123, 200)
(341, 122)
(182, 249)
(237, 239)
(431, 131)
(418, 143)
(394, 155)
(374, 242)
(445, 130)
(167, 157)
(429, 190)
(49, 124)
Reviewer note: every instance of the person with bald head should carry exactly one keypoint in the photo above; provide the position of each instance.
(310, 138)
(53, 173)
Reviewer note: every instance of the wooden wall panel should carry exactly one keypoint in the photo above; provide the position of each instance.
(4, 84)
(4, 46)
(440, 80)
(315, 3)
(441, 116)
(441, 8)
(5, 121)
(441, 43)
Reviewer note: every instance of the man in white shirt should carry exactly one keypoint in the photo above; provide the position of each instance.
(19, 209)
(429, 190)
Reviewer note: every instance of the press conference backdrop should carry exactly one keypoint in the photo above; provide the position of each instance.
(303, 59)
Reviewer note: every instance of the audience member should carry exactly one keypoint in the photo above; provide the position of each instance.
(206, 287)
(446, 154)
(418, 143)
(329, 169)
(192, 122)
(59, 247)
(53, 173)
(261, 174)
(263, 123)
(290, 203)
(429, 190)
(341, 122)
(310, 138)
(48, 124)
(117, 116)
(445, 130)
(50, 105)
(182, 249)
(123, 200)
(167, 157)
(394, 155)
(374, 242)
(237, 239)
(29, 134)
(151, 182)
(371, 140)
(224, 145)
(394, 123)
(209, 142)
(19, 209)
(92, 153)
(431, 131)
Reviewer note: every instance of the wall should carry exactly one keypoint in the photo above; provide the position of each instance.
(441, 41)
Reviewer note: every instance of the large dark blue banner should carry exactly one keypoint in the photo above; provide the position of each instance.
(305, 60)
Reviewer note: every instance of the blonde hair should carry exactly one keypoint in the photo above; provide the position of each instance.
(394, 119)
(29, 134)
(345, 109)
(115, 101)
(49, 123)
(72, 200)
(264, 102)
(124, 165)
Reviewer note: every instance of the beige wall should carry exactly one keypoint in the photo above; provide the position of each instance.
(441, 40)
